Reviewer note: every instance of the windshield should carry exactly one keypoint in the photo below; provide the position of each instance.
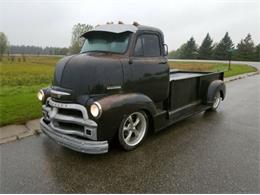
(106, 42)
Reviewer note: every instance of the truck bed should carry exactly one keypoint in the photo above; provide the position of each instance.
(188, 87)
(178, 75)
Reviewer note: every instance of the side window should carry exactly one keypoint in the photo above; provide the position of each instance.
(151, 45)
(139, 47)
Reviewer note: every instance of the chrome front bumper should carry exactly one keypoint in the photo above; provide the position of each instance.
(69, 125)
(77, 144)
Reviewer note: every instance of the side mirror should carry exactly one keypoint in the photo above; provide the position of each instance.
(165, 50)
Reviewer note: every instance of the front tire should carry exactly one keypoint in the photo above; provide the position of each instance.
(132, 130)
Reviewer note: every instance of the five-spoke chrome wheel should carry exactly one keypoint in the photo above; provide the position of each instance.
(133, 129)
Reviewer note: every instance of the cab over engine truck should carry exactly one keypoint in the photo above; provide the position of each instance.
(119, 86)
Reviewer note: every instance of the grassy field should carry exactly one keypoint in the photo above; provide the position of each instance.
(20, 81)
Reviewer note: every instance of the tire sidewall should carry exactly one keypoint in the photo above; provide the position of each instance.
(120, 132)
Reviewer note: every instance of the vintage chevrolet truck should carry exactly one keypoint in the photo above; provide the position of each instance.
(120, 87)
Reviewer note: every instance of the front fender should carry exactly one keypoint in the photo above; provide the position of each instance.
(115, 107)
(213, 88)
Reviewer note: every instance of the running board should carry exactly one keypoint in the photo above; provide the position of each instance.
(165, 118)
(186, 111)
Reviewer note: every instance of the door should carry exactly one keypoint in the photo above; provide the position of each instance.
(149, 68)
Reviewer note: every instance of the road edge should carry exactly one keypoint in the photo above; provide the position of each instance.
(241, 76)
(15, 132)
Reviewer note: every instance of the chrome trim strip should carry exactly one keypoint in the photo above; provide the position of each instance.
(45, 108)
(113, 87)
(70, 106)
(70, 132)
(75, 120)
(93, 135)
(80, 145)
(59, 92)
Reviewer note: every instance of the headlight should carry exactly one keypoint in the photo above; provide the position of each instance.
(96, 110)
(40, 95)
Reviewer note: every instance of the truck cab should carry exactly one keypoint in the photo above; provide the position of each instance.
(120, 86)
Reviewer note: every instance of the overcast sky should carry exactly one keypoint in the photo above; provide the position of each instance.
(49, 23)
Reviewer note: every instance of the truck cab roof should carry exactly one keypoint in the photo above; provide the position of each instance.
(121, 28)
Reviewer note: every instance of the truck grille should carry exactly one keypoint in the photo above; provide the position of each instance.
(71, 112)
(69, 119)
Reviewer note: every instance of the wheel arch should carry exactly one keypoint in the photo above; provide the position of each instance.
(115, 107)
(214, 87)
(150, 120)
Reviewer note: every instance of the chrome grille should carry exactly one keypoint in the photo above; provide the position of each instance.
(69, 119)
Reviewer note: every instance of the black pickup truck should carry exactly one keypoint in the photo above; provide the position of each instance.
(120, 86)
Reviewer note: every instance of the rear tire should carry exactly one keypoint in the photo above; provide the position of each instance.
(133, 130)
(216, 103)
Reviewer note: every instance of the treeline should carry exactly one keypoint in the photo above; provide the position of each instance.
(75, 47)
(245, 50)
(15, 49)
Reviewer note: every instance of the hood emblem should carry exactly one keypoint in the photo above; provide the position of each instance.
(58, 94)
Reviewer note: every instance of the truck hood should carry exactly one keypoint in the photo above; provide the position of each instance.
(88, 74)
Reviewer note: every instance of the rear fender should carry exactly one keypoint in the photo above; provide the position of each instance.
(213, 88)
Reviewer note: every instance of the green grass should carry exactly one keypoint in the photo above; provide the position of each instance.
(18, 104)
(20, 82)
(34, 71)
(235, 69)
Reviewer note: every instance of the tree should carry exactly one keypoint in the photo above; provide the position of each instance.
(222, 50)
(189, 49)
(3, 44)
(23, 49)
(172, 54)
(179, 53)
(245, 49)
(63, 51)
(257, 53)
(76, 40)
(205, 50)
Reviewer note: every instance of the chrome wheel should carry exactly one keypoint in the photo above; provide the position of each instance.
(134, 129)
(217, 100)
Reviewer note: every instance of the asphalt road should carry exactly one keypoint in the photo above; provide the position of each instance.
(208, 153)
